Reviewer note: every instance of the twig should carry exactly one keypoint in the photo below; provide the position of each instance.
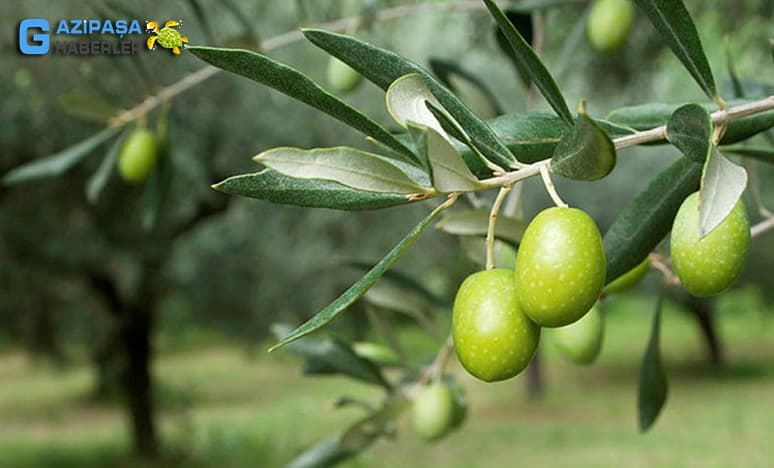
(490, 232)
(551, 188)
(762, 227)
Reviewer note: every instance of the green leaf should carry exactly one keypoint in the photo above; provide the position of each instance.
(585, 153)
(653, 388)
(57, 164)
(648, 116)
(531, 63)
(476, 223)
(86, 106)
(676, 27)
(522, 21)
(156, 188)
(352, 294)
(722, 184)
(647, 219)
(690, 130)
(403, 280)
(324, 454)
(765, 154)
(334, 355)
(382, 67)
(407, 99)
(468, 87)
(277, 188)
(347, 166)
(448, 170)
(295, 84)
(393, 297)
(99, 179)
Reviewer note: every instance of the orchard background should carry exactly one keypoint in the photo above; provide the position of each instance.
(135, 318)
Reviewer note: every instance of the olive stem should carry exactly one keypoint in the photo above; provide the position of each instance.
(490, 232)
(762, 227)
(546, 176)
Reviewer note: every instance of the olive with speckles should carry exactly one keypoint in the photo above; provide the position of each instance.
(708, 266)
(560, 267)
(580, 342)
(493, 339)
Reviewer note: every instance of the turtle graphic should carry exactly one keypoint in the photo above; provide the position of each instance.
(167, 37)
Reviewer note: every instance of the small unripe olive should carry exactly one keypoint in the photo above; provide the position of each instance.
(629, 279)
(493, 339)
(341, 77)
(581, 341)
(376, 353)
(710, 265)
(138, 157)
(434, 411)
(609, 24)
(560, 267)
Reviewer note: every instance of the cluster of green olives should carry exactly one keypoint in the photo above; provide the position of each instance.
(139, 156)
(559, 276)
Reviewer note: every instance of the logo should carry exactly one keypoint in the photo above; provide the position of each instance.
(40, 42)
(39, 37)
(167, 37)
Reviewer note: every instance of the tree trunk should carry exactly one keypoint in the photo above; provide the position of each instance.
(535, 383)
(702, 311)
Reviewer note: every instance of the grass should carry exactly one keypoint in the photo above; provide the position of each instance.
(221, 408)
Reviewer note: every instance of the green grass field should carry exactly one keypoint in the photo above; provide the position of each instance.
(222, 408)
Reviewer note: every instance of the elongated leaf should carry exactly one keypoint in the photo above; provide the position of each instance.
(57, 164)
(407, 99)
(585, 153)
(382, 67)
(403, 280)
(352, 294)
(765, 154)
(648, 116)
(295, 84)
(324, 454)
(522, 21)
(99, 179)
(468, 87)
(391, 296)
(653, 388)
(690, 130)
(156, 188)
(476, 223)
(86, 106)
(448, 169)
(531, 63)
(334, 355)
(647, 219)
(277, 188)
(676, 27)
(722, 184)
(347, 166)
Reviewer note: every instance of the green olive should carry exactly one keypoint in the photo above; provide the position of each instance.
(581, 341)
(609, 24)
(710, 265)
(434, 411)
(629, 279)
(341, 77)
(139, 156)
(493, 339)
(560, 268)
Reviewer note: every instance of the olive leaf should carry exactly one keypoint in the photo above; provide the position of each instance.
(476, 223)
(674, 23)
(765, 154)
(468, 87)
(295, 84)
(347, 166)
(86, 106)
(333, 356)
(522, 21)
(354, 293)
(407, 99)
(448, 170)
(274, 187)
(653, 387)
(58, 163)
(722, 184)
(690, 130)
(382, 67)
(99, 179)
(647, 219)
(531, 63)
(585, 153)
